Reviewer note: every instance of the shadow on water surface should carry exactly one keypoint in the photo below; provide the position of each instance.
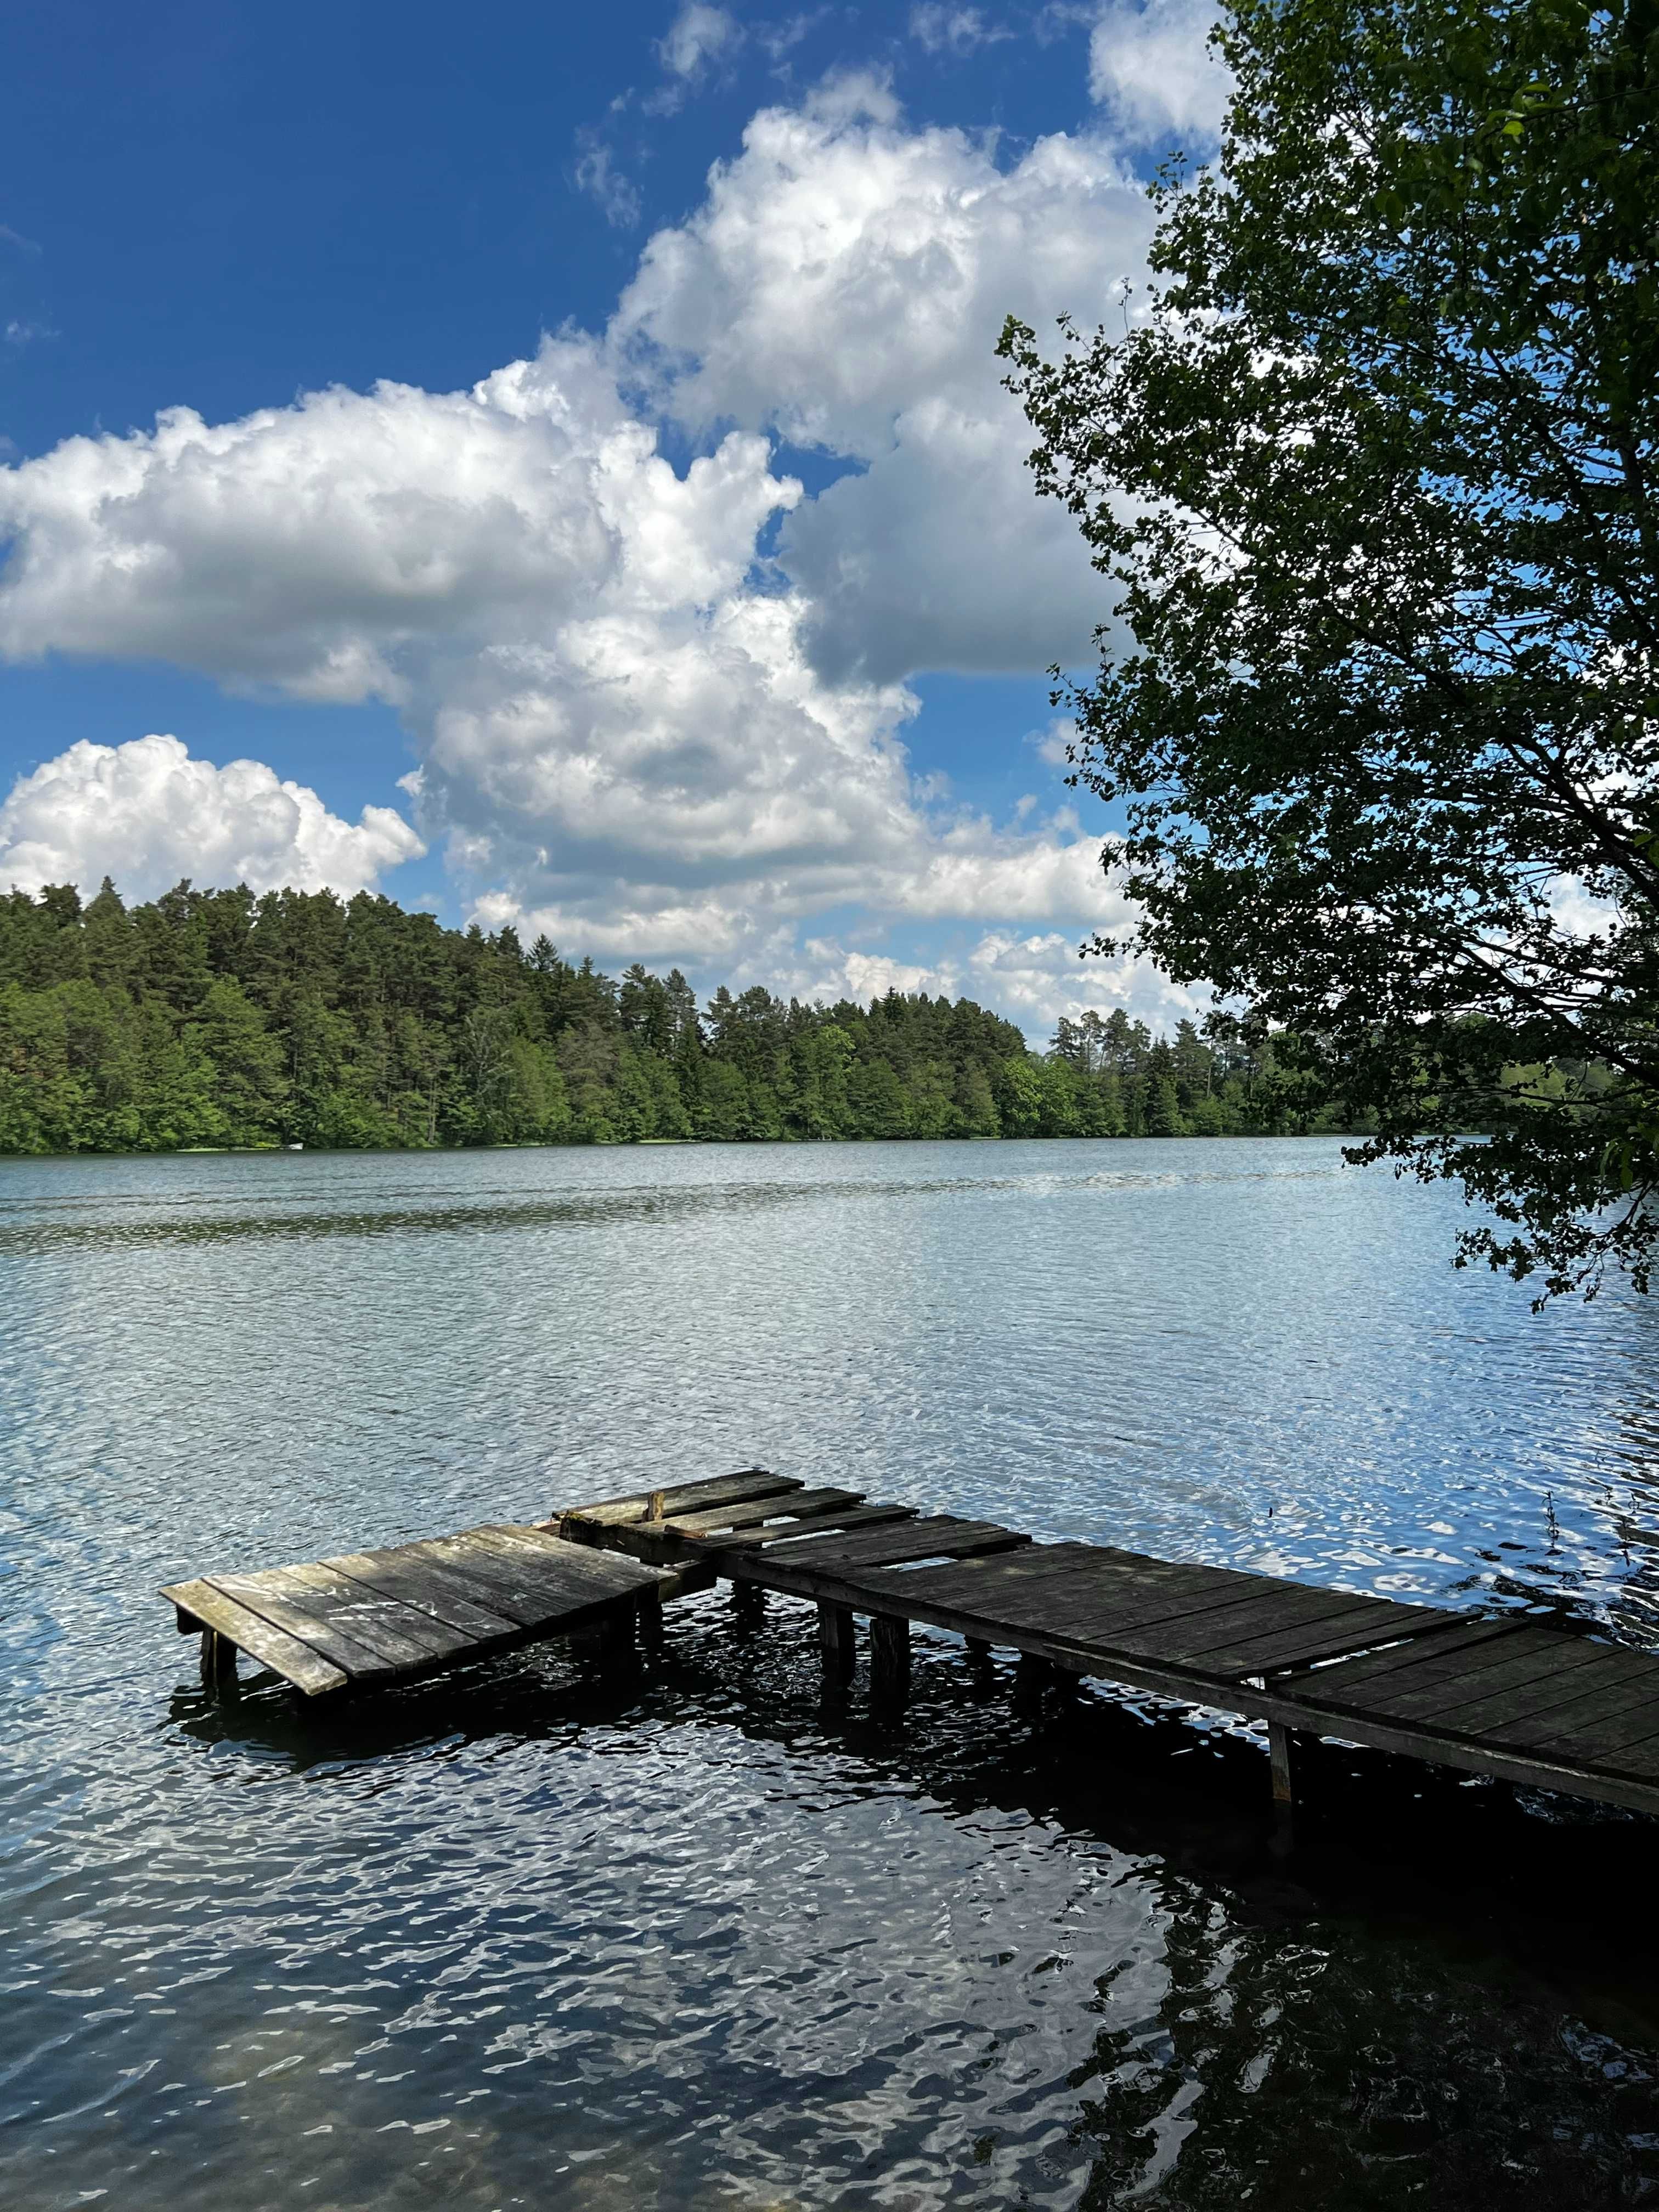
(1443, 1986)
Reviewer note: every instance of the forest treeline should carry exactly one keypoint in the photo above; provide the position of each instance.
(220, 1017)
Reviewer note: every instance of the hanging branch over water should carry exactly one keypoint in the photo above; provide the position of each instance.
(1371, 477)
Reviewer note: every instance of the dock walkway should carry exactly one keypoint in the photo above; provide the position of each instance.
(1489, 1694)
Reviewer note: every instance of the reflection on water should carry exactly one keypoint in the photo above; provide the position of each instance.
(515, 1938)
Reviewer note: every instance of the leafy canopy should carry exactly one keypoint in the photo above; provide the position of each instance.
(1372, 473)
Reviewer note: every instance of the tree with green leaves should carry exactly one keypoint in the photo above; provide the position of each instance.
(1372, 475)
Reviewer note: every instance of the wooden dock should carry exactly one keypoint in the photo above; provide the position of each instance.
(367, 1619)
(1497, 1695)
(1488, 1694)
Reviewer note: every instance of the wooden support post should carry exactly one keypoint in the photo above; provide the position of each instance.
(1279, 1754)
(650, 1632)
(618, 1649)
(978, 1649)
(219, 1663)
(890, 1658)
(1033, 1679)
(836, 1643)
(748, 1604)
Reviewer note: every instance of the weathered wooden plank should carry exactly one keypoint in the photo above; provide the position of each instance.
(1025, 1575)
(397, 1632)
(296, 1660)
(1636, 1761)
(552, 1556)
(1209, 1586)
(1327, 1638)
(1193, 1608)
(1081, 1577)
(1368, 1683)
(785, 1533)
(1294, 1604)
(935, 1536)
(1531, 1655)
(485, 1558)
(558, 1568)
(1143, 1564)
(1602, 1715)
(500, 1583)
(1080, 1614)
(1528, 1684)
(546, 1593)
(427, 1584)
(1259, 1620)
(1060, 1589)
(684, 1497)
(1627, 1743)
(1201, 1593)
(1463, 1632)
(445, 1589)
(306, 1620)
(752, 1511)
(1087, 1567)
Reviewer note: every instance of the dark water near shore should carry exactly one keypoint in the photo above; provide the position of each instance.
(519, 1939)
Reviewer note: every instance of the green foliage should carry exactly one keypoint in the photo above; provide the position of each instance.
(213, 1017)
(1372, 479)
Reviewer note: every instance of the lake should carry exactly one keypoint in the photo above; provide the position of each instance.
(521, 1938)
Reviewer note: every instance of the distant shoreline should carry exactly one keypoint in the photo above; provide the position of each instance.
(643, 1144)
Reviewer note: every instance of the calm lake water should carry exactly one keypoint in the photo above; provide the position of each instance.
(519, 1939)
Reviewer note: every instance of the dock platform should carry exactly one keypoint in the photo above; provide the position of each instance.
(367, 1619)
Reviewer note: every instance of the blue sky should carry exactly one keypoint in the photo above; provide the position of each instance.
(217, 210)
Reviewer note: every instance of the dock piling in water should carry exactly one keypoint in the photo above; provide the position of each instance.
(1279, 1742)
(889, 1657)
(837, 1643)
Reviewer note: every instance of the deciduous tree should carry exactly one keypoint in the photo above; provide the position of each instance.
(1371, 474)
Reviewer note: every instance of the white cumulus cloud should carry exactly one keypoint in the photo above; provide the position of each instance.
(339, 548)
(1151, 68)
(1035, 979)
(844, 284)
(147, 813)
